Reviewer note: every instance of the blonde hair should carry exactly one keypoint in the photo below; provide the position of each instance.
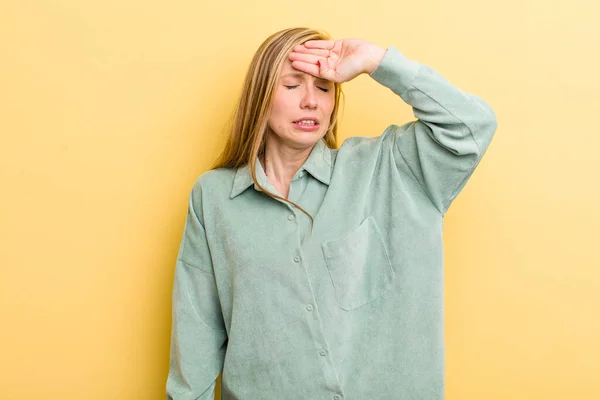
(249, 124)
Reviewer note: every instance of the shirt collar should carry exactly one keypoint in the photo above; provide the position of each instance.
(318, 164)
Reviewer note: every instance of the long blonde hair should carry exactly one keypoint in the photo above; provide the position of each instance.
(249, 124)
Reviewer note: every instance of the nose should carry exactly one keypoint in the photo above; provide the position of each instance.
(309, 98)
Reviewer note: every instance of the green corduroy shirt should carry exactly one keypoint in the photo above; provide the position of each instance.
(353, 310)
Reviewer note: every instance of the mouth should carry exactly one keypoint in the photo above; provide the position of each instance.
(306, 124)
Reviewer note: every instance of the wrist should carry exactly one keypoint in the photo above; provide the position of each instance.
(376, 55)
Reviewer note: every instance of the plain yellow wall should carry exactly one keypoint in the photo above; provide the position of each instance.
(109, 111)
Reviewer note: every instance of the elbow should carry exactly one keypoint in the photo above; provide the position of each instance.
(483, 125)
(485, 115)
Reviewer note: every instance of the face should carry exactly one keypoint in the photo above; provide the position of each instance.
(302, 107)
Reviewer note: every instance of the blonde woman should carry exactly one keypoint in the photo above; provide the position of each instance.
(308, 271)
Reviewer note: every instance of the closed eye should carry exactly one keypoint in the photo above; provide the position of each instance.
(295, 86)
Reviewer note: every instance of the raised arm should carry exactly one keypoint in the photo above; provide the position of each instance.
(440, 149)
(452, 132)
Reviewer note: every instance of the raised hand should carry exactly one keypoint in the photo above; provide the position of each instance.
(337, 60)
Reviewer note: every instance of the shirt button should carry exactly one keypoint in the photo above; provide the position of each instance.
(297, 258)
(291, 217)
(336, 397)
(309, 307)
(322, 352)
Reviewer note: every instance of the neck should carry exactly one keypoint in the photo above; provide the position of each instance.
(280, 161)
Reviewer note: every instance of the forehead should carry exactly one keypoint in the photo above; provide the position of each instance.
(287, 69)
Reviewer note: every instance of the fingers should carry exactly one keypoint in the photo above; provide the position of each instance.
(309, 58)
(318, 52)
(307, 67)
(320, 44)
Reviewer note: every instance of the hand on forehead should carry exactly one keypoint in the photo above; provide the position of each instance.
(314, 57)
(336, 60)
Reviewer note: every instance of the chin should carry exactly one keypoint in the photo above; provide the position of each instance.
(307, 138)
(300, 139)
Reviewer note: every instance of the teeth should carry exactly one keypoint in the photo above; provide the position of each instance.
(305, 122)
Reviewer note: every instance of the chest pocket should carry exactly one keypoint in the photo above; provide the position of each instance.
(359, 265)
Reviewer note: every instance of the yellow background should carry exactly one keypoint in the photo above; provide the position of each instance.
(109, 111)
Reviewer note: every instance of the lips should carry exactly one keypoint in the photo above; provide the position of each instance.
(307, 126)
(315, 120)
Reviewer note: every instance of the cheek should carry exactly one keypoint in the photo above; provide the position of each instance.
(279, 116)
(328, 105)
(281, 106)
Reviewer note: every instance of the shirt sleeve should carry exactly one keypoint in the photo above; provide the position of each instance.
(198, 336)
(453, 128)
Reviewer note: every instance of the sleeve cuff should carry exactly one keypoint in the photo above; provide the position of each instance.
(396, 71)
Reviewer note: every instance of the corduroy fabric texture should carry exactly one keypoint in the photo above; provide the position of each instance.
(354, 310)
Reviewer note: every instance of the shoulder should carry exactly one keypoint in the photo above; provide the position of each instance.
(213, 184)
(216, 179)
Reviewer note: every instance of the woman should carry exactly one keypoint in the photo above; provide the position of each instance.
(325, 279)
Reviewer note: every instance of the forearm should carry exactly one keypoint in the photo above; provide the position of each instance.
(434, 99)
